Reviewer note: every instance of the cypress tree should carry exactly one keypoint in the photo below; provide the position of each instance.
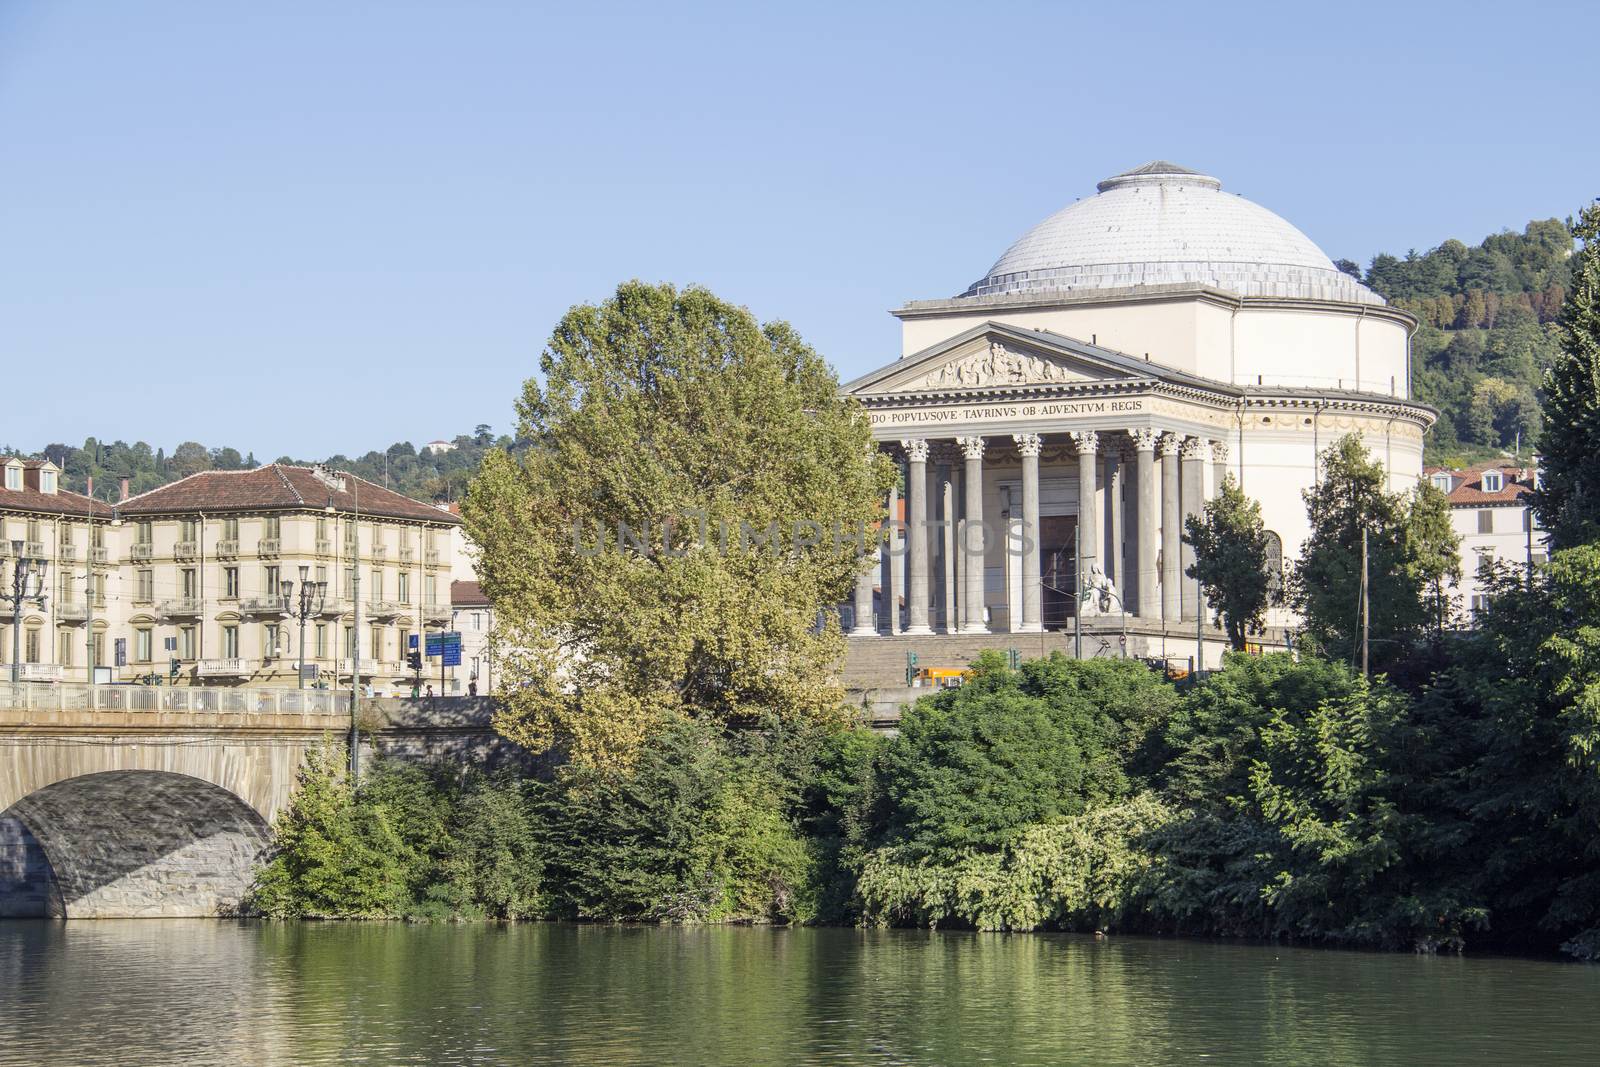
(1568, 500)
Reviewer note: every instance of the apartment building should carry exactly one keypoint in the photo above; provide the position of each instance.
(63, 542)
(1490, 512)
(473, 618)
(202, 581)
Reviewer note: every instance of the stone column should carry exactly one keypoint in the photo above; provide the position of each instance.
(1219, 461)
(893, 587)
(1195, 452)
(1089, 555)
(1030, 444)
(947, 503)
(1147, 538)
(1115, 554)
(972, 545)
(1171, 530)
(917, 532)
(865, 625)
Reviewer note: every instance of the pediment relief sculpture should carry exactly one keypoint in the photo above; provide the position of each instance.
(994, 364)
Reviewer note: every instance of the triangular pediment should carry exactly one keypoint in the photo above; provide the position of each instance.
(996, 355)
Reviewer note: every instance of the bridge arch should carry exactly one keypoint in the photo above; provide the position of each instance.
(134, 843)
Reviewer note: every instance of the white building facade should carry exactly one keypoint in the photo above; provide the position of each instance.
(1090, 391)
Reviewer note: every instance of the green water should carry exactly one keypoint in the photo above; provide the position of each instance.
(193, 991)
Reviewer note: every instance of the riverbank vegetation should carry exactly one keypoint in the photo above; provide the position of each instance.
(1403, 784)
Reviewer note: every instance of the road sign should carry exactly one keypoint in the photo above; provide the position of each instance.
(442, 642)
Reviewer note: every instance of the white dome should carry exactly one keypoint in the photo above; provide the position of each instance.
(1162, 224)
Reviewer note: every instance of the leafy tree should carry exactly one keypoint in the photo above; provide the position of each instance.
(664, 413)
(1568, 500)
(1230, 560)
(1434, 550)
(1348, 504)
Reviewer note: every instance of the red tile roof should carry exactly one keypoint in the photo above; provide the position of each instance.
(60, 502)
(1468, 491)
(467, 594)
(278, 487)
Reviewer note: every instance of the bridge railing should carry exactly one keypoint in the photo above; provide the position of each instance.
(219, 699)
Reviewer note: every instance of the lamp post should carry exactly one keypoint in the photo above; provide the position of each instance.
(309, 603)
(21, 571)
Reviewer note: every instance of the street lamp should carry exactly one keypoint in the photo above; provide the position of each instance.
(312, 595)
(21, 572)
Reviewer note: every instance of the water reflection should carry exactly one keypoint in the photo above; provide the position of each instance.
(194, 991)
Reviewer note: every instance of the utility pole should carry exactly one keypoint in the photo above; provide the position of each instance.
(355, 636)
(21, 570)
(1366, 611)
(1077, 586)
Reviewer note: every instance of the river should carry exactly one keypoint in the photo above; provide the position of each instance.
(257, 993)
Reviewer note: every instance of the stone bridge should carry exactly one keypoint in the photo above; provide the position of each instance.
(120, 801)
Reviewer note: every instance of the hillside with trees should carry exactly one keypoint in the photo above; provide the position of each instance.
(1487, 332)
(420, 473)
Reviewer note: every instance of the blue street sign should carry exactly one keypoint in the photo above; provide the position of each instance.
(411, 642)
(445, 643)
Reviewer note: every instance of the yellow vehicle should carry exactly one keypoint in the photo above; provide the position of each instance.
(942, 677)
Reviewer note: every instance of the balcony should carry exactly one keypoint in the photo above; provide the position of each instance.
(268, 547)
(228, 548)
(66, 551)
(264, 605)
(142, 552)
(383, 609)
(407, 554)
(33, 548)
(38, 672)
(181, 607)
(99, 555)
(378, 553)
(324, 546)
(436, 611)
(185, 549)
(430, 557)
(228, 667)
(78, 610)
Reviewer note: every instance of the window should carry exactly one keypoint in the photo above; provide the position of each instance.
(145, 531)
(322, 572)
(47, 481)
(1485, 561)
(33, 530)
(97, 536)
(405, 587)
(186, 642)
(64, 645)
(350, 642)
(1485, 520)
(190, 529)
(30, 647)
(405, 642)
(189, 582)
(1479, 603)
(143, 644)
(349, 581)
(322, 528)
(272, 580)
(14, 478)
(375, 593)
(430, 589)
(377, 643)
(322, 640)
(230, 583)
(1441, 482)
(270, 638)
(274, 526)
(230, 642)
(147, 586)
(230, 529)
(350, 536)
(97, 649)
(1493, 481)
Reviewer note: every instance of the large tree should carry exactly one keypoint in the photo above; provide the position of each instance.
(1568, 500)
(1230, 560)
(1349, 503)
(648, 555)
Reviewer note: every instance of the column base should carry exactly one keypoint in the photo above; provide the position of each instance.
(978, 629)
(917, 631)
(862, 633)
(1025, 628)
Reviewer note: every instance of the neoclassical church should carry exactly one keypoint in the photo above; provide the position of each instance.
(1058, 420)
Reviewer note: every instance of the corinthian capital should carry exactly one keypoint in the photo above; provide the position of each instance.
(1029, 444)
(1219, 451)
(1195, 448)
(916, 449)
(1168, 444)
(1085, 440)
(971, 447)
(1144, 439)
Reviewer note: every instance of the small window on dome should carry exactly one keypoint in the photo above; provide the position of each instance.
(1493, 481)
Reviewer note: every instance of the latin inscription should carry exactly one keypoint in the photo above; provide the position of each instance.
(1001, 412)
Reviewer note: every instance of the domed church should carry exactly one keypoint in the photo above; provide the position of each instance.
(1058, 420)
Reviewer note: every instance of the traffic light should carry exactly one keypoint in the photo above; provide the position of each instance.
(174, 668)
(911, 669)
(414, 660)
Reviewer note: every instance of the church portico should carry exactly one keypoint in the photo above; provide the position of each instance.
(1048, 475)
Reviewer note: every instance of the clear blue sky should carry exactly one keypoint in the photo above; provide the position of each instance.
(315, 227)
